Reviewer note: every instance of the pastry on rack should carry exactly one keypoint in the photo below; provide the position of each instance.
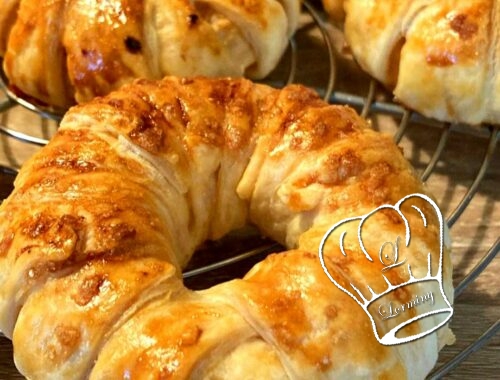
(57, 51)
(438, 56)
(103, 219)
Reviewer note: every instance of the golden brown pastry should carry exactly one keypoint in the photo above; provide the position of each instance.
(103, 219)
(7, 17)
(334, 9)
(438, 56)
(57, 51)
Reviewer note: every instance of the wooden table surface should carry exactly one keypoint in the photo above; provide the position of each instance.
(473, 234)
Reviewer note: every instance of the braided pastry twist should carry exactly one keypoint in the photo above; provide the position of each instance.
(102, 219)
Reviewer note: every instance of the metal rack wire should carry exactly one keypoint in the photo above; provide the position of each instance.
(368, 104)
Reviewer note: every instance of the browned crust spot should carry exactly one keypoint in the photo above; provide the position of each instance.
(465, 28)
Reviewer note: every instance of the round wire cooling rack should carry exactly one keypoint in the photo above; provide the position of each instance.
(440, 151)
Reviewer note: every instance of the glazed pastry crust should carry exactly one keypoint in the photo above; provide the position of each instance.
(438, 56)
(59, 52)
(103, 219)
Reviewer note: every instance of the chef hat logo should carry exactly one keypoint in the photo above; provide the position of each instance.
(409, 290)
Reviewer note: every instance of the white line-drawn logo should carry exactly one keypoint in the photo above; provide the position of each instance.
(432, 300)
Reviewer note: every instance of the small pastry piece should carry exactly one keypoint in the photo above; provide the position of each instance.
(59, 52)
(438, 56)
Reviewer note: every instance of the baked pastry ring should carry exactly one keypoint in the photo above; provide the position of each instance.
(57, 51)
(103, 218)
(438, 56)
